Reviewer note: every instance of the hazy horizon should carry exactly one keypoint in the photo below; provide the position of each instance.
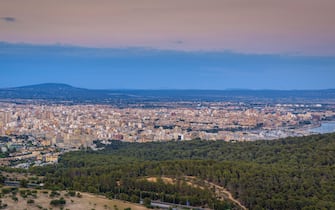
(162, 89)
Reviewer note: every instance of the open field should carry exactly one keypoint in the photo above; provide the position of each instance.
(86, 201)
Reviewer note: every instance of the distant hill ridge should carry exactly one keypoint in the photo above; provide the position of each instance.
(67, 86)
(53, 91)
(46, 85)
(60, 91)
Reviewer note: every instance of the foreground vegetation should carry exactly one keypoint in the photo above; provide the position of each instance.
(13, 198)
(291, 173)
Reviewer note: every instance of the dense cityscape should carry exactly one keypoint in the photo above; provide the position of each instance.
(80, 124)
(39, 132)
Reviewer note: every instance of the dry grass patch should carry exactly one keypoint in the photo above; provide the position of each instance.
(85, 201)
(166, 180)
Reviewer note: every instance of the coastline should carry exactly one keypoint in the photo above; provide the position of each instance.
(324, 127)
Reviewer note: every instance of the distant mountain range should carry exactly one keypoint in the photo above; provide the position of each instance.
(63, 92)
(49, 91)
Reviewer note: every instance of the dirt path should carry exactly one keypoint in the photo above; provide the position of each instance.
(223, 193)
(220, 192)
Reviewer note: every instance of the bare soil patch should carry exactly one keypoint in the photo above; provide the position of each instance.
(86, 201)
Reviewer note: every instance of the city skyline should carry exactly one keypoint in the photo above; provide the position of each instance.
(221, 44)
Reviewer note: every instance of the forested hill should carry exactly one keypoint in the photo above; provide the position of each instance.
(292, 173)
(311, 150)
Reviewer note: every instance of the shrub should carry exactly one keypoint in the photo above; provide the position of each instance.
(147, 202)
(54, 194)
(72, 193)
(14, 198)
(14, 190)
(23, 183)
(5, 191)
(23, 193)
(58, 202)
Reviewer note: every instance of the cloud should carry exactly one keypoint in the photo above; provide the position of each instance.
(8, 19)
(178, 42)
(145, 68)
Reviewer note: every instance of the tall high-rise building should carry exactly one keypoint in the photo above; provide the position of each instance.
(7, 117)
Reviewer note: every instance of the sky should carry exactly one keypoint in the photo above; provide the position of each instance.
(175, 44)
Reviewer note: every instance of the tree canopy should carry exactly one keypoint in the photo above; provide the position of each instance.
(291, 173)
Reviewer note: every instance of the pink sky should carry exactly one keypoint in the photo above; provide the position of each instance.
(252, 26)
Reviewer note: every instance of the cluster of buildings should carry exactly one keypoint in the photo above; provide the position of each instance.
(76, 125)
(32, 134)
(22, 151)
